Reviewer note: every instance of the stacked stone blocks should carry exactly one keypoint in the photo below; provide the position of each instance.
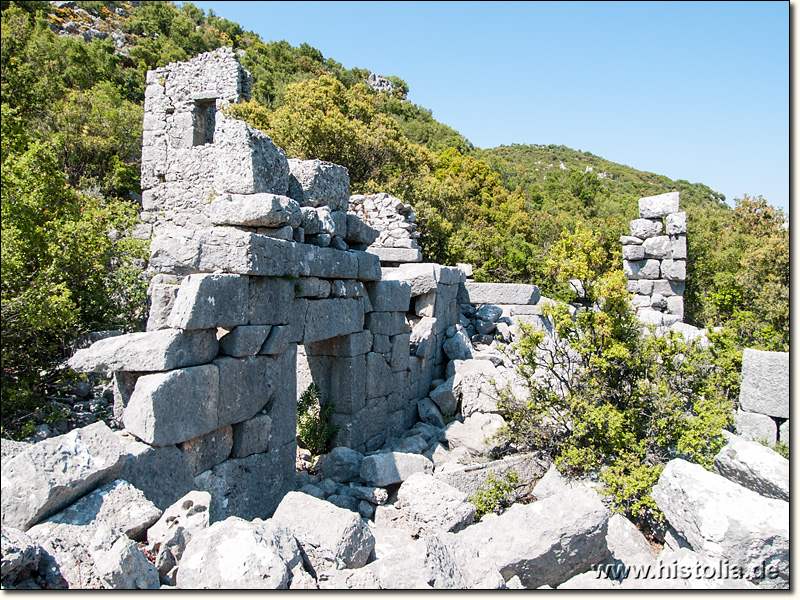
(654, 259)
(763, 413)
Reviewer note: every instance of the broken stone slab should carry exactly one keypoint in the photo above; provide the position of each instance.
(654, 207)
(341, 464)
(319, 183)
(316, 523)
(250, 487)
(502, 293)
(237, 554)
(176, 406)
(544, 543)
(430, 413)
(429, 505)
(755, 426)
(723, 520)
(178, 524)
(396, 255)
(475, 434)
(445, 397)
(278, 341)
(459, 346)
(627, 546)
(754, 466)
(475, 384)
(117, 504)
(765, 383)
(381, 470)
(162, 474)
(19, 555)
(469, 478)
(161, 350)
(207, 301)
(422, 278)
(553, 483)
(254, 210)
(206, 451)
(244, 340)
(646, 228)
(124, 566)
(54, 472)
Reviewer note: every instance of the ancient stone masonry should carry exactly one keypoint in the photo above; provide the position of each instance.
(763, 413)
(397, 225)
(654, 259)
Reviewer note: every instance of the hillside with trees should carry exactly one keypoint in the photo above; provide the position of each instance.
(71, 147)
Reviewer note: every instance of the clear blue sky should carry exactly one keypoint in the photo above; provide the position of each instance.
(691, 90)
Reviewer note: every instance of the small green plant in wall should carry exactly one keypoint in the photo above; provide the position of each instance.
(313, 421)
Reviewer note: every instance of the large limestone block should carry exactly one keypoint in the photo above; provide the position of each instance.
(369, 266)
(245, 387)
(317, 523)
(354, 344)
(396, 255)
(662, 205)
(673, 270)
(470, 478)
(359, 232)
(333, 317)
(319, 183)
(755, 467)
(123, 566)
(341, 464)
(178, 524)
(172, 407)
(475, 385)
(237, 554)
(422, 278)
(254, 210)
(117, 504)
(18, 554)
(429, 505)
(248, 162)
(348, 389)
(207, 301)
(657, 247)
(386, 323)
(271, 300)
(393, 467)
(389, 296)
(544, 543)
(207, 451)
(642, 269)
(251, 487)
(676, 223)
(251, 436)
(646, 228)
(765, 383)
(162, 299)
(723, 520)
(162, 474)
(245, 340)
(52, 473)
(161, 350)
(502, 293)
(378, 375)
(475, 433)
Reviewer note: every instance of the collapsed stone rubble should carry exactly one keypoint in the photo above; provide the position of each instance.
(266, 278)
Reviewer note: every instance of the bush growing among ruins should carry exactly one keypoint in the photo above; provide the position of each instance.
(607, 395)
(313, 421)
(495, 494)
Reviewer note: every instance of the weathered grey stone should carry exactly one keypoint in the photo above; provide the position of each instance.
(678, 246)
(254, 210)
(279, 233)
(124, 566)
(244, 340)
(245, 386)
(425, 304)
(210, 300)
(369, 266)
(423, 340)
(207, 451)
(162, 474)
(353, 344)
(755, 426)
(783, 432)
(278, 341)
(389, 296)
(646, 228)
(429, 413)
(470, 478)
(459, 346)
(396, 255)
(19, 554)
(544, 543)
(346, 502)
(657, 247)
(333, 317)
(423, 278)
(312, 287)
(393, 467)
(684, 569)
(627, 546)
(169, 536)
(52, 473)
(643, 269)
(237, 554)
(348, 384)
(251, 436)
(382, 344)
(317, 523)
(475, 386)
(318, 223)
(319, 183)
(675, 305)
(755, 467)
(665, 287)
(378, 375)
(401, 344)
(765, 383)
(629, 240)
(553, 483)
(359, 232)
(445, 396)
(723, 520)
(162, 299)
(161, 350)
(429, 505)
(653, 207)
(502, 293)
(271, 301)
(475, 433)
(250, 487)
(676, 223)
(341, 464)
(386, 323)
(673, 270)
(172, 407)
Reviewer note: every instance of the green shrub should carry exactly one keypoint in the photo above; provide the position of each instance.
(495, 494)
(313, 422)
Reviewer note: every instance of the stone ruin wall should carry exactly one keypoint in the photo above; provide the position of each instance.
(654, 259)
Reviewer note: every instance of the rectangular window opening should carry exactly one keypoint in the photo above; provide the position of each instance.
(204, 118)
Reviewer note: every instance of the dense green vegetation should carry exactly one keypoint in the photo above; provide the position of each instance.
(71, 131)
